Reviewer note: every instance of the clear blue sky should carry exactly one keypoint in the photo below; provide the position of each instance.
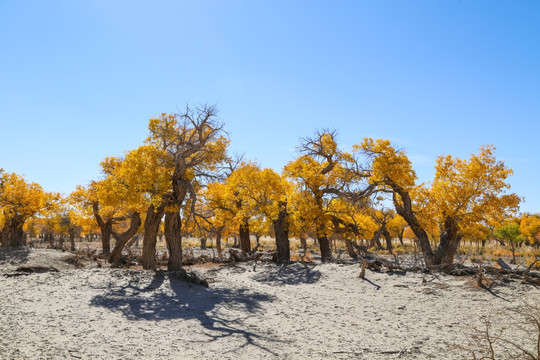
(80, 79)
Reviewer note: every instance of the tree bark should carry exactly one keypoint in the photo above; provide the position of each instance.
(281, 230)
(449, 242)
(203, 243)
(106, 230)
(12, 233)
(173, 236)
(72, 240)
(151, 228)
(388, 239)
(375, 242)
(350, 249)
(243, 234)
(324, 244)
(50, 239)
(404, 209)
(303, 242)
(218, 242)
(123, 238)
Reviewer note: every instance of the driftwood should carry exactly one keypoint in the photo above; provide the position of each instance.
(27, 270)
(504, 273)
(236, 256)
(503, 265)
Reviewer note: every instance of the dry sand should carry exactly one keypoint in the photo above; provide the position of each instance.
(248, 312)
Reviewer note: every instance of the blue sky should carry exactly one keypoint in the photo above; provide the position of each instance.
(80, 79)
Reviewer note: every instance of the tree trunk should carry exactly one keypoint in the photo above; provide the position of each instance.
(173, 236)
(281, 230)
(303, 242)
(218, 243)
(403, 206)
(106, 230)
(449, 242)
(375, 242)
(243, 233)
(72, 240)
(350, 249)
(4, 235)
(61, 242)
(400, 235)
(50, 238)
(12, 233)
(151, 228)
(324, 244)
(122, 239)
(203, 243)
(388, 238)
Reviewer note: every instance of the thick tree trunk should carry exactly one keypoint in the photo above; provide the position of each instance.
(106, 240)
(203, 243)
(173, 236)
(403, 206)
(151, 228)
(16, 236)
(218, 243)
(375, 242)
(12, 233)
(50, 239)
(281, 230)
(324, 244)
(4, 236)
(243, 234)
(72, 240)
(106, 230)
(122, 239)
(448, 244)
(350, 249)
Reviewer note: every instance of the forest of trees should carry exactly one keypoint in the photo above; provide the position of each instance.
(183, 182)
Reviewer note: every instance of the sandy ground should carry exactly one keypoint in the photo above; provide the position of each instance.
(248, 312)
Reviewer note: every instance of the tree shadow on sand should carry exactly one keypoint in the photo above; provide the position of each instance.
(188, 301)
(13, 256)
(288, 274)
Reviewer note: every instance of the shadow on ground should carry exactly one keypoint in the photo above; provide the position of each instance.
(188, 301)
(13, 256)
(288, 274)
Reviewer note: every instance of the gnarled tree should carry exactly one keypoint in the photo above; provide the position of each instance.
(194, 144)
(463, 192)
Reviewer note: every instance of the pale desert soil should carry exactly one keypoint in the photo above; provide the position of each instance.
(248, 312)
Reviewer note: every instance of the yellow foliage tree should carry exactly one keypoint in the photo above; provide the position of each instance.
(464, 192)
(530, 228)
(194, 146)
(19, 201)
(323, 173)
